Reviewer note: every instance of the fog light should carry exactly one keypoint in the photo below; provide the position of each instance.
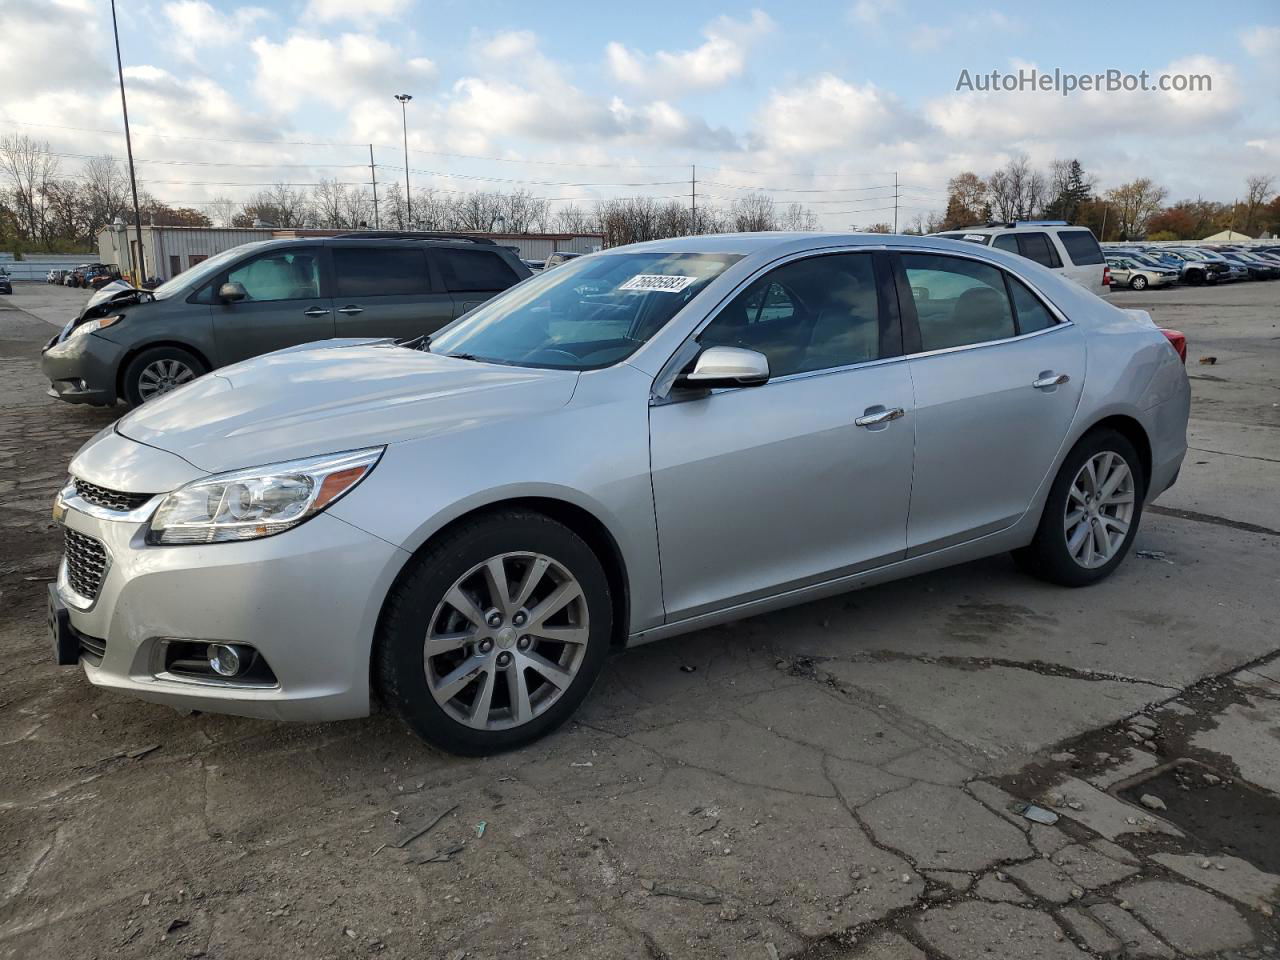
(229, 659)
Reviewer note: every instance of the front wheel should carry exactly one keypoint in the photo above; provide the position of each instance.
(1138, 283)
(1091, 514)
(157, 371)
(495, 633)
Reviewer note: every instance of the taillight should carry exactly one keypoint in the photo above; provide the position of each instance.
(1106, 276)
(1179, 342)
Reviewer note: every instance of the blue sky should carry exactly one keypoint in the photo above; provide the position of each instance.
(818, 101)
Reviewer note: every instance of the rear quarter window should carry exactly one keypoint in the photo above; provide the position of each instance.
(1081, 247)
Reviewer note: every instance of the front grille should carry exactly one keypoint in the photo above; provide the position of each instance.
(110, 499)
(86, 564)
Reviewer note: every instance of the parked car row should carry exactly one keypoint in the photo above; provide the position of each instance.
(1055, 244)
(1142, 265)
(94, 275)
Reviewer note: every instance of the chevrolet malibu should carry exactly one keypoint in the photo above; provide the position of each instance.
(632, 446)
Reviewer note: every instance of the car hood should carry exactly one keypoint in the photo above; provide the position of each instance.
(333, 396)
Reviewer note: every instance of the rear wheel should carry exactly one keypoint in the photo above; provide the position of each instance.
(1091, 514)
(157, 371)
(495, 633)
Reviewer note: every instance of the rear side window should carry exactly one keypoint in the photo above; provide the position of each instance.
(957, 301)
(1081, 247)
(380, 272)
(1032, 314)
(474, 270)
(1036, 246)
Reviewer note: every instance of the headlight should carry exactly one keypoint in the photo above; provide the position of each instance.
(258, 501)
(100, 323)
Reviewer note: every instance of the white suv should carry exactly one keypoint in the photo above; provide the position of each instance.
(1051, 243)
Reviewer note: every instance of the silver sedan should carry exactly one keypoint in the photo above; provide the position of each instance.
(635, 445)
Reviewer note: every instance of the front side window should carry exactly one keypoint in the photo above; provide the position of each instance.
(380, 271)
(280, 275)
(590, 312)
(811, 314)
(1081, 247)
(957, 301)
(473, 271)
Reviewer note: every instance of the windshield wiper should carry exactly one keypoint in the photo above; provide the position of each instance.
(465, 356)
(422, 343)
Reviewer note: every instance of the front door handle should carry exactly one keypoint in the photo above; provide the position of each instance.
(1050, 379)
(881, 416)
(351, 310)
(315, 312)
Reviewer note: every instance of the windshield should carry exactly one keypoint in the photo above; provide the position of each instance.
(200, 272)
(590, 312)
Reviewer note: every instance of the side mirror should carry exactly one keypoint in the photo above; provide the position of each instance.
(232, 292)
(717, 367)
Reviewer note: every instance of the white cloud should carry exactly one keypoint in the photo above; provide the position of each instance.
(1261, 42)
(198, 24)
(355, 10)
(827, 113)
(721, 58)
(925, 38)
(872, 11)
(337, 71)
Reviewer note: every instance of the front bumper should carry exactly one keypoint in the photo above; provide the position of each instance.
(82, 369)
(307, 600)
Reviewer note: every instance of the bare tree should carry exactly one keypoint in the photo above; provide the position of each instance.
(755, 211)
(1017, 191)
(522, 212)
(1260, 189)
(224, 211)
(573, 219)
(30, 168)
(798, 217)
(1133, 204)
(328, 204)
(878, 228)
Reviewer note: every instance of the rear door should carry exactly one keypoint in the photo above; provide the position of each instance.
(283, 306)
(996, 380)
(472, 276)
(386, 290)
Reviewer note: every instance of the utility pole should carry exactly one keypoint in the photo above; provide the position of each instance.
(1103, 238)
(895, 201)
(693, 198)
(141, 265)
(373, 177)
(408, 197)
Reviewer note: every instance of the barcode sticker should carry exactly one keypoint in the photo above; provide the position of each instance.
(657, 282)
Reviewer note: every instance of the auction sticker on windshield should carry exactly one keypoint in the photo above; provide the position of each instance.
(657, 282)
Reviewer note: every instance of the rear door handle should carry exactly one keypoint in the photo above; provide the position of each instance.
(881, 416)
(315, 312)
(351, 310)
(1050, 379)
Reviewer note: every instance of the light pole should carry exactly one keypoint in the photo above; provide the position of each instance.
(404, 120)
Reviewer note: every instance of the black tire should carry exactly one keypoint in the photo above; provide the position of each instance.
(130, 384)
(1138, 282)
(406, 619)
(1048, 557)
(1195, 277)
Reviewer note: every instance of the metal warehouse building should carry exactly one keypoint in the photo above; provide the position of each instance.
(167, 251)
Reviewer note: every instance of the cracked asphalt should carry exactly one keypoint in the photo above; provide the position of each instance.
(844, 779)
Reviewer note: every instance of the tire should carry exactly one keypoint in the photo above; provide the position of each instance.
(1195, 278)
(418, 610)
(138, 383)
(1050, 556)
(1138, 282)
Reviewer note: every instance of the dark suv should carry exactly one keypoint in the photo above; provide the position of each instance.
(131, 344)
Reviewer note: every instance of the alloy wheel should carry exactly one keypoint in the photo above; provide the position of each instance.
(161, 376)
(1099, 509)
(506, 641)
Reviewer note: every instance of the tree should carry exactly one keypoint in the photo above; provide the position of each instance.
(1132, 204)
(1069, 188)
(224, 211)
(280, 206)
(753, 212)
(1259, 190)
(799, 218)
(878, 228)
(30, 168)
(966, 201)
(573, 219)
(1179, 222)
(1017, 191)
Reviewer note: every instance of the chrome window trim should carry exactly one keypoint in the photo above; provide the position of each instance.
(666, 376)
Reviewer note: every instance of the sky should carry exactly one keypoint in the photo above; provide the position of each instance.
(821, 101)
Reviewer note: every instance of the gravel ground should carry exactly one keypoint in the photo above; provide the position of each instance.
(843, 779)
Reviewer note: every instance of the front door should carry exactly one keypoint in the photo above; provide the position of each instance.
(997, 380)
(386, 290)
(282, 306)
(763, 489)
